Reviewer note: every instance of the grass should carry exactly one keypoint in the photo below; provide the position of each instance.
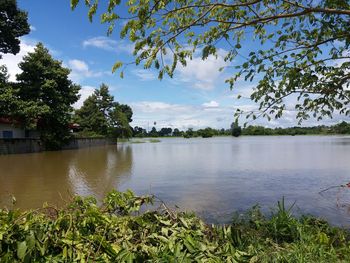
(154, 140)
(123, 140)
(136, 141)
(115, 231)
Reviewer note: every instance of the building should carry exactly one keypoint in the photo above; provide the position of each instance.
(11, 129)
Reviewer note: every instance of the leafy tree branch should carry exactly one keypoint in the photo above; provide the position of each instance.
(296, 47)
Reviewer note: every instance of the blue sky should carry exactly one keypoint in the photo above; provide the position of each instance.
(196, 97)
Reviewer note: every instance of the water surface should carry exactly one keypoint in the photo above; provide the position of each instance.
(213, 177)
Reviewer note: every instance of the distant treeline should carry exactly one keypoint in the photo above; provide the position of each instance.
(340, 128)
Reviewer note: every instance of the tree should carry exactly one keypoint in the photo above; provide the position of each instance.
(302, 46)
(94, 116)
(206, 133)
(121, 117)
(165, 131)
(101, 115)
(23, 113)
(126, 109)
(177, 132)
(120, 124)
(139, 132)
(153, 132)
(13, 24)
(104, 100)
(8, 102)
(44, 83)
(342, 128)
(90, 118)
(189, 133)
(236, 130)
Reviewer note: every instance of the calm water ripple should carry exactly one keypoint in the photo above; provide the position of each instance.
(213, 177)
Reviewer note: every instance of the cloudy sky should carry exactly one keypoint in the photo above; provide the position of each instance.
(196, 97)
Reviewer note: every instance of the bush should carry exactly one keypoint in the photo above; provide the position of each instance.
(116, 231)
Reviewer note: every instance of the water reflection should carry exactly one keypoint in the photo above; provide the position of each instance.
(36, 178)
(96, 171)
(213, 177)
(217, 176)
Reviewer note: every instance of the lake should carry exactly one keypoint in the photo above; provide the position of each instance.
(214, 177)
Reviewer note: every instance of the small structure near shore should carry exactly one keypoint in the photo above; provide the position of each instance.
(15, 139)
(10, 129)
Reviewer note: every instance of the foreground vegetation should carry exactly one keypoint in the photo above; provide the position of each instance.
(116, 231)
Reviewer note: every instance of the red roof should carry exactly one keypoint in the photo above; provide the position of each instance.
(74, 125)
(4, 120)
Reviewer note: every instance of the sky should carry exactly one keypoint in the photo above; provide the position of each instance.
(196, 97)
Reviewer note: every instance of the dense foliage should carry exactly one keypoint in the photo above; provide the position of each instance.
(297, 49)
(100, 115)
(45, 83)
(42, 97)
(340, 128)
(115, 231)
(11, 106)
(13, 25)
(236, 130)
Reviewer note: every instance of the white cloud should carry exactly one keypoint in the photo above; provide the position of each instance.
(242, 89)
(100, 42)
(157, 106)
(184, 116)
(144, 75)
(11, 61)
(108, 44)
(211, 104)
(32, 28)
(80, 70)
(84, 93)
(78, 65)
(203, 74)
(180, 115)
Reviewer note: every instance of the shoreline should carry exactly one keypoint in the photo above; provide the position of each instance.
(116, 230)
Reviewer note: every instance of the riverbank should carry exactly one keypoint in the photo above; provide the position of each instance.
(117, 232)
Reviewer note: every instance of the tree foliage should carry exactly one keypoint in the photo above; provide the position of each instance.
(24, 113)
(121, 116)
(236, 130)
(103, 116)
(340, 128)
(303, 46)
(44, 84)
(90, 118)
(206, 133)
(13, 25)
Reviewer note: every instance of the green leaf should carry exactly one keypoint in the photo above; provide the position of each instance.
(21, 250)
(116, 66)
(73, 4)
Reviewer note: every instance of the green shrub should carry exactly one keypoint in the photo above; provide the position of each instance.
(116, 231)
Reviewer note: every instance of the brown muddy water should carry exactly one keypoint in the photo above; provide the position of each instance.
(214, 177)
